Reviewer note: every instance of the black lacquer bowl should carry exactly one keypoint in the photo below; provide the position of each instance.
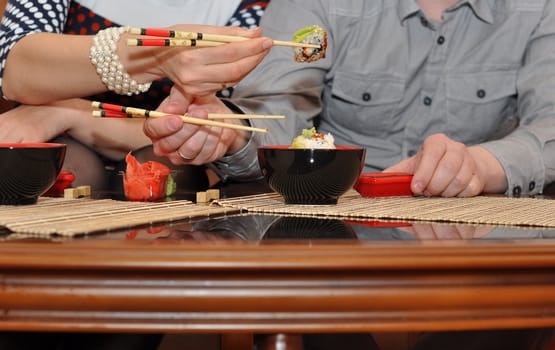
(311, 176)
(27, 170)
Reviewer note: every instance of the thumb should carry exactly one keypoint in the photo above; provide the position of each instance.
(158, 128)
(175, 102)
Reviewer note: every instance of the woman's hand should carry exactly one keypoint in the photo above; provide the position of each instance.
(32, 124)
(444, 167)
(198, 70)
(185, 143)
(111, 137)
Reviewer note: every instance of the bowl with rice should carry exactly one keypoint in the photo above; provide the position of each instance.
(312, 169)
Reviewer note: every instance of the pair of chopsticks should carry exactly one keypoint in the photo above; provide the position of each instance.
(109, 110)
(178, 38)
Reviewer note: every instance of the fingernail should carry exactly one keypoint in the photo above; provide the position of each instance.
(267, 43)
(418, 187)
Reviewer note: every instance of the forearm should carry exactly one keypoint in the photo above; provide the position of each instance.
(45, 67)
(111, 137)
(527, 156)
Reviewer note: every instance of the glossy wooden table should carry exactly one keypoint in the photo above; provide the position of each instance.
(154, 283)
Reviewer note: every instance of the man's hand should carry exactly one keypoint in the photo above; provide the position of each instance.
(425, 231)
(187, 143)
(447, 168)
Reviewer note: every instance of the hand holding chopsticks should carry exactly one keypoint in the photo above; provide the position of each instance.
(108, 110)
(179, 38)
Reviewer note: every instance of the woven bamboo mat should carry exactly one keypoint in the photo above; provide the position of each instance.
(70, 217)
(477, 210)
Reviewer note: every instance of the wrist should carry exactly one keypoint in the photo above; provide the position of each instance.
(73, 114)
(489, 170)
(243, 137)
(110, 69)
(141, 62)
(241, 140)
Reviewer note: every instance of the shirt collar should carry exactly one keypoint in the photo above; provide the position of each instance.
(483, 9)
(406, 9)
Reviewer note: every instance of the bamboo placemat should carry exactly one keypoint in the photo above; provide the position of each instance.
(504, 211)
(70, 217)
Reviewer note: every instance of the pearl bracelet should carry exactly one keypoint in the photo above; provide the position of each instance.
(108, 66)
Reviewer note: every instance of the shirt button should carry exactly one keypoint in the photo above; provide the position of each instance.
(427, 101)
(441, 40)
(481, 93)
(532, 185)
(517, 191)
(366, 96)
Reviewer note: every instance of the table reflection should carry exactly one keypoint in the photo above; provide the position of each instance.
(253, 228)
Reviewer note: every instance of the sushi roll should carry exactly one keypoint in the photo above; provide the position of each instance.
(309, 138)
(310, 35)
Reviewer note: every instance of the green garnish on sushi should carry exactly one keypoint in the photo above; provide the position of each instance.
(303, 33)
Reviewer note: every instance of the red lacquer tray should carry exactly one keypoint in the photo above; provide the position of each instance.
(384, 184)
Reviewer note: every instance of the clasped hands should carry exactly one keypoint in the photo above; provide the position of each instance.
(185, 143)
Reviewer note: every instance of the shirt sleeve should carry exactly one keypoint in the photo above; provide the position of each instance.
(528, 153)
(241, 165)
(279, 86)
(23, 17)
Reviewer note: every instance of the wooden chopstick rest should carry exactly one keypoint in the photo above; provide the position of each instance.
(208, 196)
(77, 192)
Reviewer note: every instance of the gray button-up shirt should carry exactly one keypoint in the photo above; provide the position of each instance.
(485, 75)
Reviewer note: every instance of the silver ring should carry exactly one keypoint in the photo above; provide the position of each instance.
(184, 157)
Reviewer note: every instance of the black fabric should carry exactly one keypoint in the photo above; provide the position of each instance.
(81, 341)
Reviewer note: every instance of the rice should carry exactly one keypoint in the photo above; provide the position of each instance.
(309, 138)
